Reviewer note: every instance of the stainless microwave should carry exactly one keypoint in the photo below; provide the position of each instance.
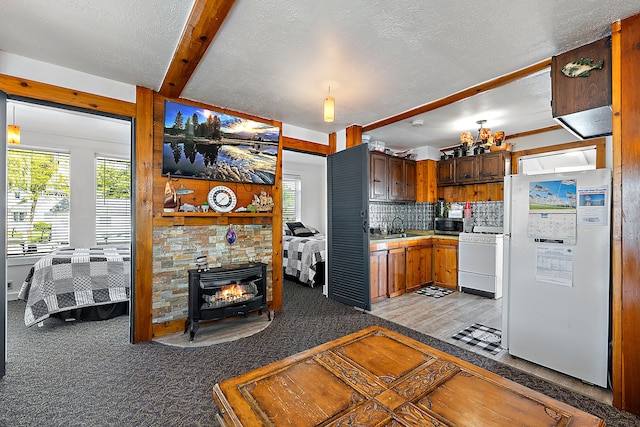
(448, 225)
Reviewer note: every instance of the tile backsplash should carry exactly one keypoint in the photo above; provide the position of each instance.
(419, 216)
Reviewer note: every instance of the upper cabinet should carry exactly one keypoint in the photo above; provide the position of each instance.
(481, 168)
(391, 178)
(581, 89)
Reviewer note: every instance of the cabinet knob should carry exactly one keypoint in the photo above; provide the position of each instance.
(376, 180)
(467, 176)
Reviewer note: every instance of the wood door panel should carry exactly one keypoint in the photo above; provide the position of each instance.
(378, 377)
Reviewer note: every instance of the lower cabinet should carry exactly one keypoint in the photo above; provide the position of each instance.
(419, 266)
(445, 263)
(378, 275)
(394, 271)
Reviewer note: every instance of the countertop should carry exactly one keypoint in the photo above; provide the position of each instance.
(413, 237)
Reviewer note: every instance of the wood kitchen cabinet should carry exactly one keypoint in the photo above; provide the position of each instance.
(378, 275)
(466, 170)
(418, 266)
(445, 263)
(391, 178)
(396, 179)
(396, 272)
(446, 172)
(477, 169)
(378, 176)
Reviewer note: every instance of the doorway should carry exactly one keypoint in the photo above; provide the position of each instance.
(83, 144)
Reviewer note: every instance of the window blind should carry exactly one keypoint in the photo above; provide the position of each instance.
(113, 201)
(291, 195)
(37, 201)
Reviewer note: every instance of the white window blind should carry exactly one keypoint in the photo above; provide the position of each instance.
(113, 201)
(37, 201)
(291, 195)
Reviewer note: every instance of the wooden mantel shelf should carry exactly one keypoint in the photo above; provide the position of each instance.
(212, 218)
(217, 214)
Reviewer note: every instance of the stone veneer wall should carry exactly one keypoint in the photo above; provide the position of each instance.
(175, 249)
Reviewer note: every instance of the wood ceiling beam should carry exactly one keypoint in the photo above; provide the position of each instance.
(467, 93)
(203, 24)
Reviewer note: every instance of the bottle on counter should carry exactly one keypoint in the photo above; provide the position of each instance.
(467, 210)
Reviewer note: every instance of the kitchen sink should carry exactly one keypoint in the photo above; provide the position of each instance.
(392, 236)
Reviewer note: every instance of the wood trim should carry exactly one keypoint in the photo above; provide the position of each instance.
(333, 142)
(600, 144)
(65, 96)
(276, 234)
(616, 222)
(304, 146)
(467, 93)
(534, 132)
(628, 288)
(204, 21)
(144, 216)
(354, 136)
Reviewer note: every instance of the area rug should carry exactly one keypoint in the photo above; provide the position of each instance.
(481, 336)
(434, 291)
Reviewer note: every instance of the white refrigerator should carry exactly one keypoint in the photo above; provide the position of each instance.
(556, 271)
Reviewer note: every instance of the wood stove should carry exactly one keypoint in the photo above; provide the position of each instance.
(227, 291)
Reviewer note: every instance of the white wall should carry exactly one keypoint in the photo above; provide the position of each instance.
(313, 173)
(82, 189)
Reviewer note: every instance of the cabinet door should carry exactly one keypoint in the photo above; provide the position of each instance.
(378, 275)
(466, 169)
(377, 176)
(396, 179)
(426, 189)
(445, 263)
(446, 172)
(396, 272)
(409, 180)
(491, 166)
(418, 265)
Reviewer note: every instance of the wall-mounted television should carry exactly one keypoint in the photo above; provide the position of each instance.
(207, 144)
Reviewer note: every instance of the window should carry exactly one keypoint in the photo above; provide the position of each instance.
(291, 189)
(113, 201)
(38, 209)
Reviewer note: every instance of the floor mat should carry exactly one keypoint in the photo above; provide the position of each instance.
(482, 336)
(434, 291)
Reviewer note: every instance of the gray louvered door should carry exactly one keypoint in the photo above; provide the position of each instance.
(348, 235)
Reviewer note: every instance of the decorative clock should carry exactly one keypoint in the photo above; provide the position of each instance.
(222, 199)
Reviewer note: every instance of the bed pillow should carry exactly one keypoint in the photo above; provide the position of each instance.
(286, 231)
(303, 232)
(293, 225)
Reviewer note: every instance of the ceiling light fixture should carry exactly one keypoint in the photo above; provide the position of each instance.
(417, 123)
(13, 131)
(329, 107)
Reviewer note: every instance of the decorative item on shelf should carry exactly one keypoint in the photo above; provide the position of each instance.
(263, 202)
(183, 191)
(222, 199)
(205, 207)
(231, 235)
(466, 139)
(187, 207)
(201, 263)
(170, 197)
(499, 144)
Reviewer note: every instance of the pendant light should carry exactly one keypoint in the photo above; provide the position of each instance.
(329, 107)
(13, 131)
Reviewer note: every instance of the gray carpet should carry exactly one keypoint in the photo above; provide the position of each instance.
(87, 374)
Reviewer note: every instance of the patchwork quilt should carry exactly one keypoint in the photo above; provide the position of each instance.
(71, 278)
(302, 255)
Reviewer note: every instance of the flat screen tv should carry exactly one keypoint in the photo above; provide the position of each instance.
(206, 144)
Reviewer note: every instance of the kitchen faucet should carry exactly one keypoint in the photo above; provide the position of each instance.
(394, 229)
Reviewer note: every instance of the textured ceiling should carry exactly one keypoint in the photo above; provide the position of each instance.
(277, 58)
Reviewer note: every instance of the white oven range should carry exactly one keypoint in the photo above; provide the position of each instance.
(480, 261)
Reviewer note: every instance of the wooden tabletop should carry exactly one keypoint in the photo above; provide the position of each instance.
(377, 377)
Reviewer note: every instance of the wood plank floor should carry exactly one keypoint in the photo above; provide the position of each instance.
(443, 317)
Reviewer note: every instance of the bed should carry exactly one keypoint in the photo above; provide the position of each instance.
(304, 258)
(70, 279)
